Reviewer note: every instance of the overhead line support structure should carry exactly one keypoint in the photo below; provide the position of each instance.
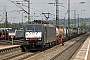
(68, 17)
(78, 25)
(46, 16)
(74, 18)
(57, 13)
(28, 12)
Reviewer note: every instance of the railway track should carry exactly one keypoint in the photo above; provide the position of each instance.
(68, 53)
(8, 50)
(9, 42)
(16, 55)
(55, 52)
(19, 56)
(49, 54)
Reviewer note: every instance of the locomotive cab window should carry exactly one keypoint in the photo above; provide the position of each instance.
(37, 28)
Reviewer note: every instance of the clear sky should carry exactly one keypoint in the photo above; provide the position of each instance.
(39, 6)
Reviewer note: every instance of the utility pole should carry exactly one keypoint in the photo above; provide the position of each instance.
(78, 23)
(69, 17)
(74, 18)
(5, 22)
(57, 13)
(5, 18)
(6, 25)
(22, 20)
(29, 12)
(64, 22)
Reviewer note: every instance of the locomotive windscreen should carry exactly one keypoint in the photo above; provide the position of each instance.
(12, 31)
(37, 28)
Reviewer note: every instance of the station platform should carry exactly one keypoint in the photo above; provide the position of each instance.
(84, 51)
(8, 46)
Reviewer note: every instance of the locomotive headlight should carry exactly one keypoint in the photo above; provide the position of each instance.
(27, 39)
(26, 34)
(39, 38)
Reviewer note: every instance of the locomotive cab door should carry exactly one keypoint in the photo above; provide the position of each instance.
(45, 34)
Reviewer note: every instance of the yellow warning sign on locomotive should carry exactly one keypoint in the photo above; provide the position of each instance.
(12, 36)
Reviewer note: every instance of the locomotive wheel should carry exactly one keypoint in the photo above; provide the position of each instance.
(55, 43)
(50, 45)
(23, 48)
(43, 48)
